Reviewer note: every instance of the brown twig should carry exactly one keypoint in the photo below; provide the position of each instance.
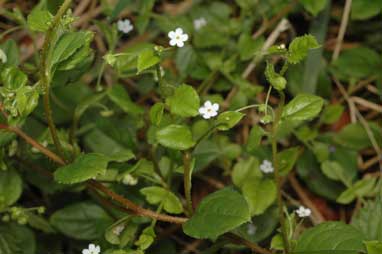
(341, 33)
(34, 143)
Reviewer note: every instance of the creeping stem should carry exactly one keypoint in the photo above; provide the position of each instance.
(187, 181)
(278, 178)
(45, 72)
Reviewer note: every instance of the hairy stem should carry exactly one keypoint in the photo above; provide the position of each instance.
(278, 178)
(187, 181)
(46, 71)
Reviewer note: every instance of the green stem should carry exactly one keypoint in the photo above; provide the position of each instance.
(45, 74)
(187, 181)
(278, 178)
(267, 99)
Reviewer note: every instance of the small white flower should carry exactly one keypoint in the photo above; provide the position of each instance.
(177, 37)
(118, 229)
(199, 23)
(129, 180)
(251, 229)
(3, 56)
(266, 167)
(281, 46)
(303, 212)
(209, 110)
(125, 26)
(92, 249)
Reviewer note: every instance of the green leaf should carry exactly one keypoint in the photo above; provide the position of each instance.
(254, 137)
(314, 6)
(186, 60)
(156, 113)
(66, 49)
(82, 221)
(175, 136)
(10, 187)
(333, 170)
(331, 237)
(122, 232)
(119, 96)
(299, 47)
(184, 102)
(146, 59)
(259, 193)
(39, 20)
(369, 221)
(364, 9)
(146, 239)
(228, 119)
(309, 171)
(160, 196)
(354, 136)
(356, 63)
(85, 167)
(16, 239)
(287, 158)
(373, 247)
(303, 107)
(26, 100)
(217, 214)
(247, 46)
(12, 78)
(115, 149)
(360, 189)
(277, 242)
(245, 169)
(332, 113)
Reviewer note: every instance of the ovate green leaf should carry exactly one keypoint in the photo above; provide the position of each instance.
(10, 187)
(303, 107)
(217, 214)
(175, 136)
(331, 237)
(85, 167)
(228, 119)
(39, 20)
(83, 221)
(299, 47)
(184, 102)
(157, 195)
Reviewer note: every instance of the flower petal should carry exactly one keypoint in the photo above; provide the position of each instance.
(207, 104)
(180, 44)
(179, 31)
(171, 34)
(86, 251)
(215, 106)
(173, 42)
(202, 110)
(184, 37)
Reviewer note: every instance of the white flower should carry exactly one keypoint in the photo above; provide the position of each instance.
(281, 46)
(92, 249)
(177, 37)
(199, 23)
(266, 167)
(129, 180)
(209, 110)
(125, 26)
(303, 212)
(251, 229)
(3, 56)
(118, 229)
